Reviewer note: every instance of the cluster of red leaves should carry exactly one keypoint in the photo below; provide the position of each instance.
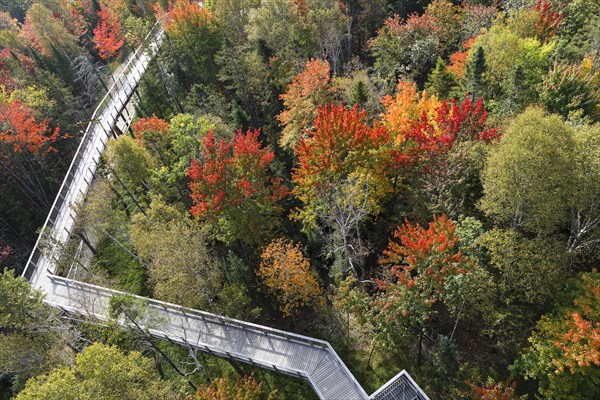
(229, 174)
(19, 128)
(454, 122)
(581, 342)
(153, 124)
(458, 60)
(340, 141)
(184, 13)
(496, 391)
(548, 19)
(424, 257)
(107, 34)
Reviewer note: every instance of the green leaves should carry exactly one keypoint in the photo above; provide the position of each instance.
(529, 177)
(103, 373)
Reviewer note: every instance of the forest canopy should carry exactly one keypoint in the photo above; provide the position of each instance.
(416, 182)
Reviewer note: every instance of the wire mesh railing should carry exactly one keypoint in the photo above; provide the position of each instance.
(87, 156)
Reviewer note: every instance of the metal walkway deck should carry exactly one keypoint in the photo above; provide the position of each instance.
(289, 353)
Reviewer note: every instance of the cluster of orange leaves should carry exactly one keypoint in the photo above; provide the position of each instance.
(421, 126)
(301, 99)
(19, 129)
(286, 273)
(431, 252)
(405, 108)
(581, 342)
(185, 13)
(245, 388)
(496, 391)
(107, 34)
(420, 260)
(458, 60)
(152, 123)
(340, 140)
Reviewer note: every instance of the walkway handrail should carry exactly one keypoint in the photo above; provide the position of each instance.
(204, 316)
(82, 147)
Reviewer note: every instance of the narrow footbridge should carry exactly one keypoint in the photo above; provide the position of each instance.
(304, 357)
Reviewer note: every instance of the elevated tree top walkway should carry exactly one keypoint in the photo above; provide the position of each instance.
(285, 352)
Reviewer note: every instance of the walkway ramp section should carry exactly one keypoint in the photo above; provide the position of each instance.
(60, 221)
(285, 352)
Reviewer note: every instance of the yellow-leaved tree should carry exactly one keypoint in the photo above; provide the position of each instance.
(286, 273)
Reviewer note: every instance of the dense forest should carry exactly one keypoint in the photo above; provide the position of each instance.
(416, 182)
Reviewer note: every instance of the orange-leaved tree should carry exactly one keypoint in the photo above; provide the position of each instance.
(286, 273)
(231, 185)
(19, 128)
(418, 264)
(152, 123)
(341, 176)
(310, 89)
(245, 388)
(107, 34)
(407, 107)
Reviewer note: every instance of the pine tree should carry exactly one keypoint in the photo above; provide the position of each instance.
(474, 80)
(359, 94)
(440, 81)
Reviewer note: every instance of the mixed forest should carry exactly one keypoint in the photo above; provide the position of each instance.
(416, 182)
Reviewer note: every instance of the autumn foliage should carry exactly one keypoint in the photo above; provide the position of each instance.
(405, 108)
(152, 123)
(493, 390)
(183, 14)
(418, 262)
(19, 129)
(423, 127)
(231, 184)
(458, 60)
(565, 348)
(342, 147)
(107, 34)
(309, 90)
(286, 273)
(548, 19)
(245, 388)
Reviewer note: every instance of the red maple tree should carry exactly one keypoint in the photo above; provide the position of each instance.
(234, 175)
(107, 34)
(19, 129)
(453, 122)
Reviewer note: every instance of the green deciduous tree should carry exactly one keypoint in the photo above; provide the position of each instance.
(32, 337)
(529, 176)
(180, 268)
(101, 372)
